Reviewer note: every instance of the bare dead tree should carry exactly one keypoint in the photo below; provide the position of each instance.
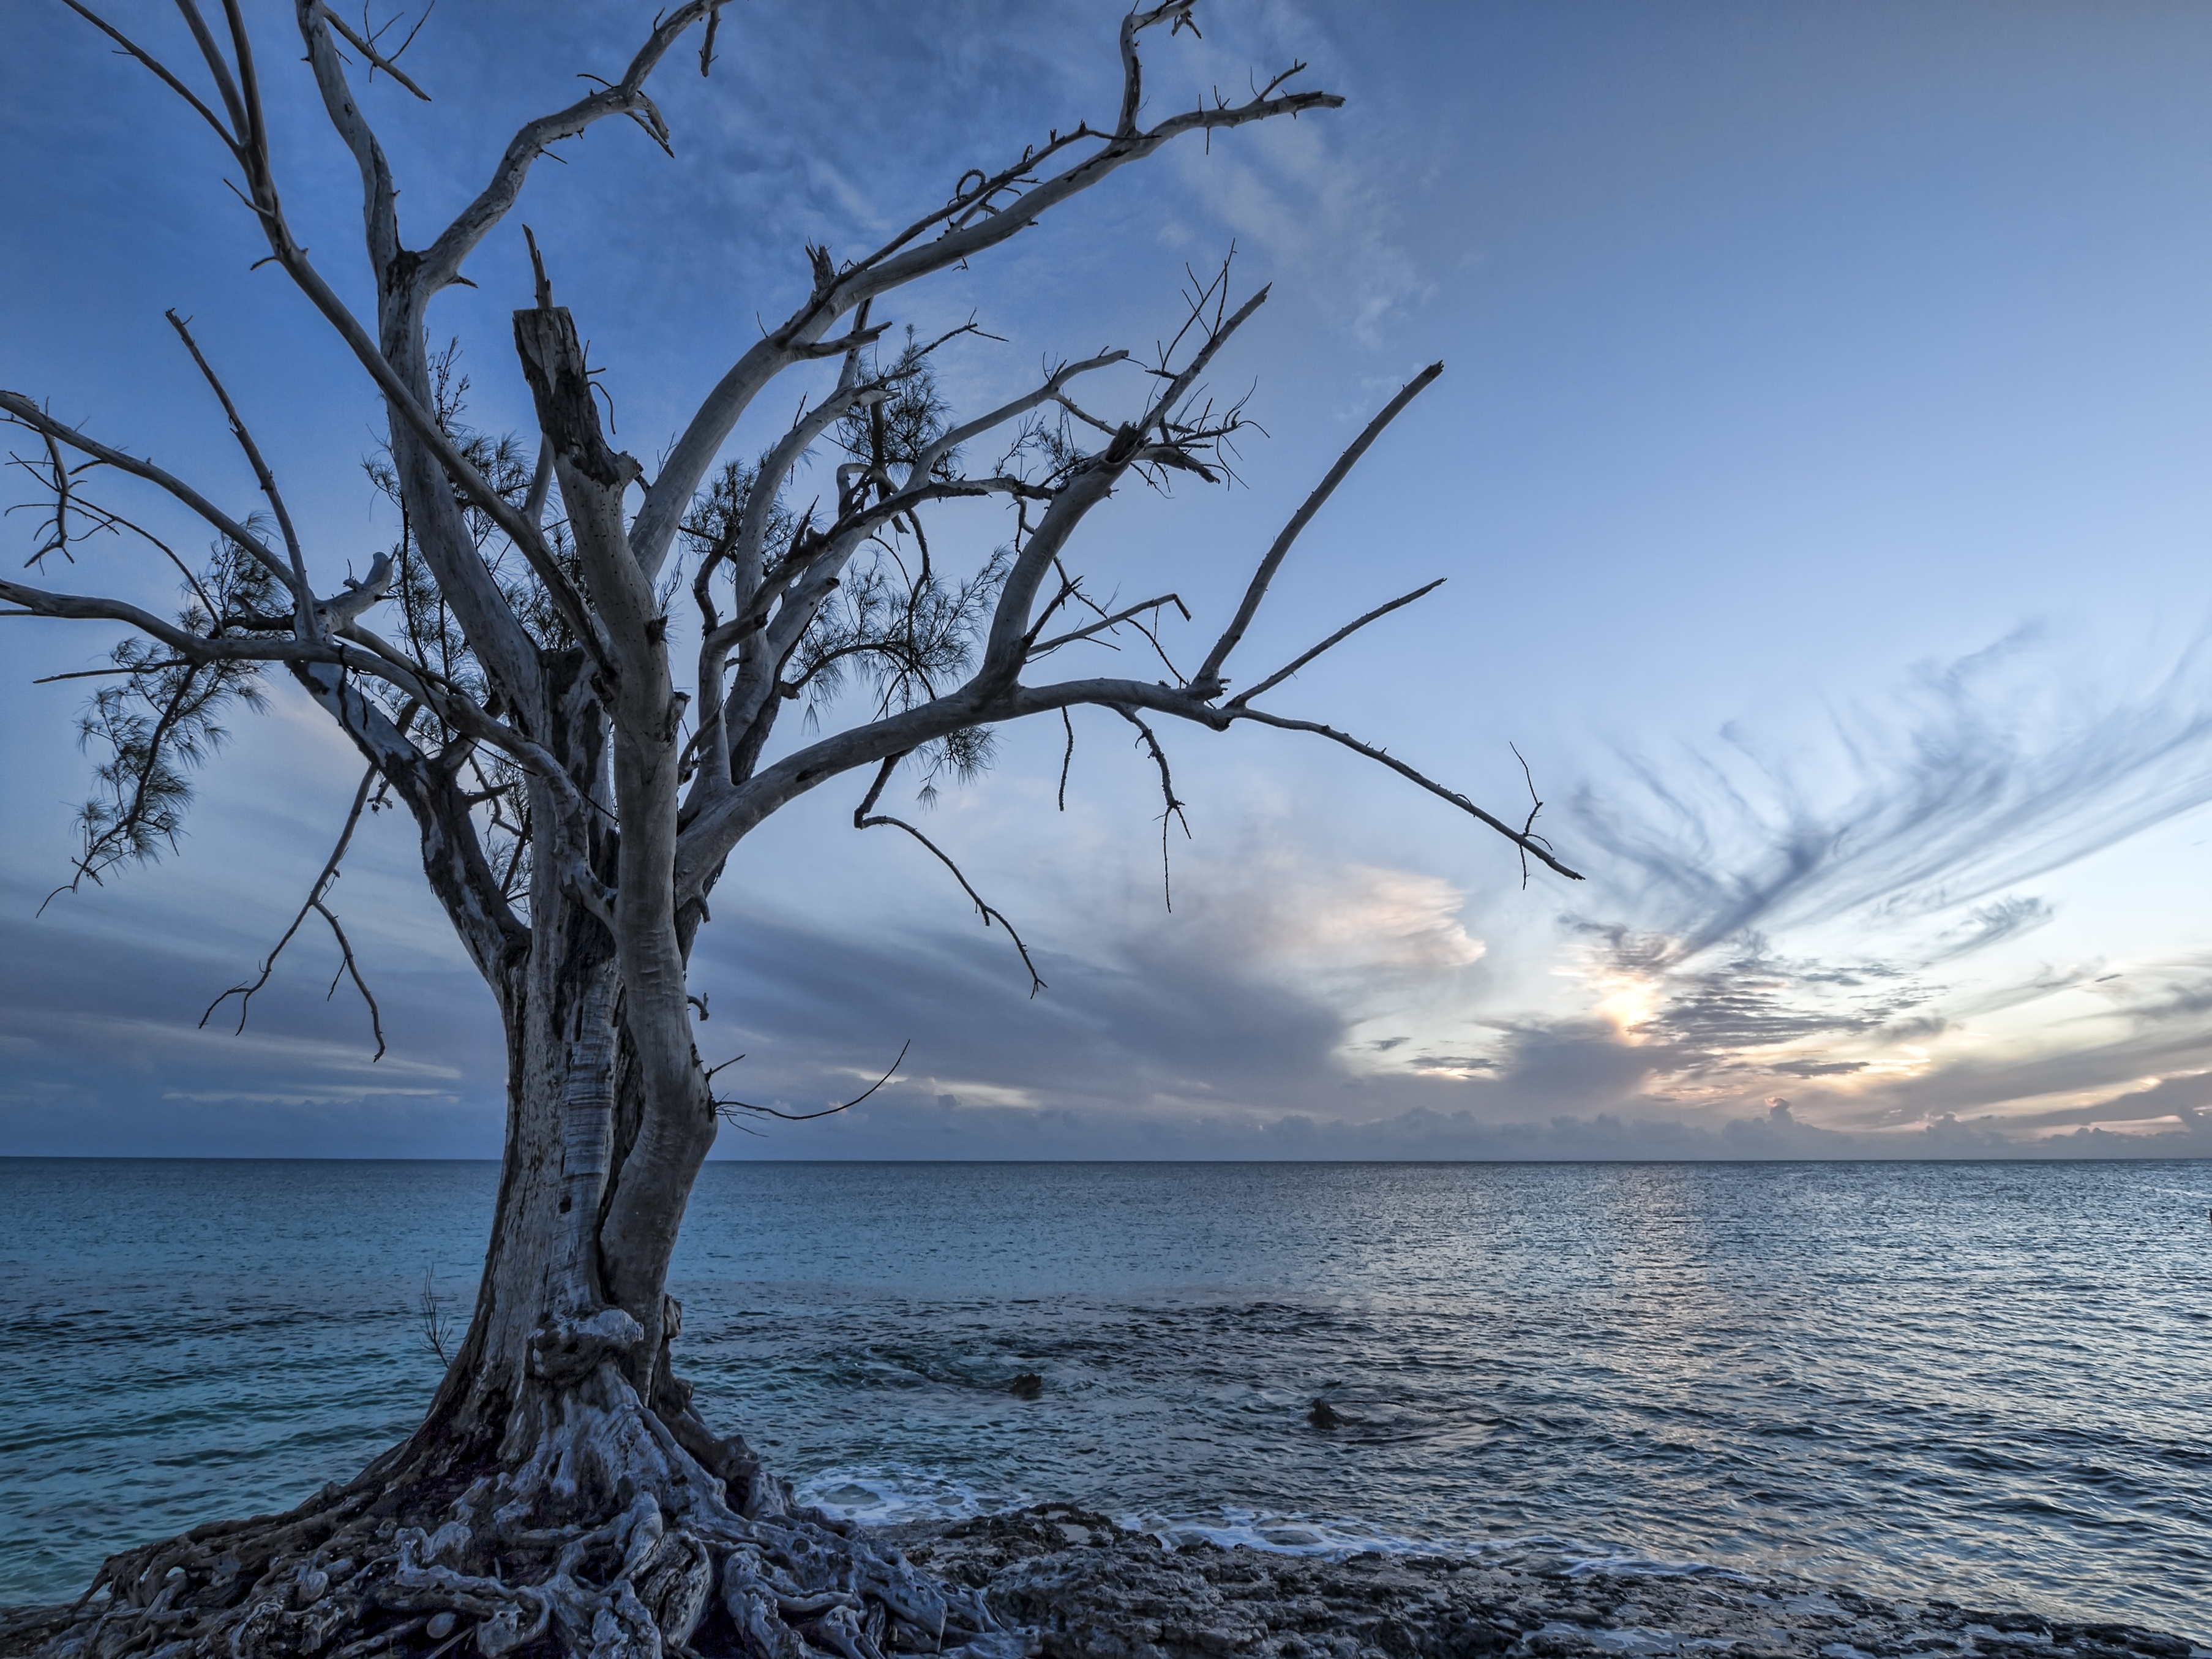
(506, 673)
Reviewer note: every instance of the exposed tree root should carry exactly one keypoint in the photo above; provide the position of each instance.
(605, 1529)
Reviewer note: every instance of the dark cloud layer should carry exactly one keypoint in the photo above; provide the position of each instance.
(1138, 1051)
(102, 1052)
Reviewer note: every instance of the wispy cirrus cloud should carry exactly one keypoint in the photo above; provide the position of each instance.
(1986, 773)
(1846, 914)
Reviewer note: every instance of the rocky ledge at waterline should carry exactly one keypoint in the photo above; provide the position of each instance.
(1074, 1585)
(1092, 1591)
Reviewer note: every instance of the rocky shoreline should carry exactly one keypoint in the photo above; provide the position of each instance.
(1077, 1586)
(1096, 1592)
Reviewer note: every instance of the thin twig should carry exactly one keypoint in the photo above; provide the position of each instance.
(365, 45)
(430, 1310)
(1335, 639)
(1105, 621)
(1533, 845)
(727, 1107)
(1535, 806)
(303, 597)
(100, 673)
(862, 819)
(1174, 812)
(1067, 759)
(314, 902)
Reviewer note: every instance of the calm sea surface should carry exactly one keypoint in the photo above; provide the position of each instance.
(1983, 1381)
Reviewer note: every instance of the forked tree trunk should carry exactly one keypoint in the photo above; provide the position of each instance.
(545, 1318)
(565, 1369)
(561, 1494)
(563, 1377)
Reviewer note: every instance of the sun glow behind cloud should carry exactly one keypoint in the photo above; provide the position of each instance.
(1872, 942)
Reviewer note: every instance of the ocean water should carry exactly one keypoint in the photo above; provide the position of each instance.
(1989, 1382)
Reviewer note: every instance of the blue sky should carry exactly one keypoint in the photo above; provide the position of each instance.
(1817, 468)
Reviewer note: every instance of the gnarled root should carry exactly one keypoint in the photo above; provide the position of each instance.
(598, 1532)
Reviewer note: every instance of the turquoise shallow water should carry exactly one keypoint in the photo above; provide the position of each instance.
(1984, 1382)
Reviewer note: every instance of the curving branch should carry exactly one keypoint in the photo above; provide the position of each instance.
(453, 859)
(245, 134)
(1532, 846)
(461, 712)
(1053, 391)
(863, 819)
(364, 43)
(1066, 758)
(1528, 838)
(1107, 624)
(442, 259)
(20, 410)
(725, 1108)
(1091, 483)
(317, 901)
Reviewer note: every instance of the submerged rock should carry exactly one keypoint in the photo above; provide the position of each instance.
(1095, 1591)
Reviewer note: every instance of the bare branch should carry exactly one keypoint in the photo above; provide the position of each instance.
(462, 713)
(1535, 806)
(1208, 681)
(862, 819)
(103, 674)
(541, 486)
(453, 855)
(498, 637)
(68, 496)
(442, 261)
(706, 41)
(1067, 756)
(22, 412)
(1532, 845)
(303, 599)
(1333, 640)
(1105, 622)
(1048, 392)
(1179, 383)
(348, 968)
(161, 70)
(315, 902)
(366, 46)
(86, 608)
(718, 413)
(429, 1309)
(1088, 485)
(1173, 812)
(725, 1107)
